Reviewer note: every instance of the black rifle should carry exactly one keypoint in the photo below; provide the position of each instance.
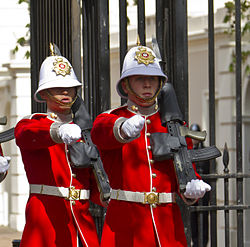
(172, 145)
(85, 154)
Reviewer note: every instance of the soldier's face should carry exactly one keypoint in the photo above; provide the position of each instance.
(143, 86)
(59, 99)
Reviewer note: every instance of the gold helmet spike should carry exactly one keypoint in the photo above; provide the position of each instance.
(138, 43)
(54, 50)
(51, 47)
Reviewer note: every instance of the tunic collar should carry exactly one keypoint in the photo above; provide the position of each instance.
(145, 111)
(58, 117)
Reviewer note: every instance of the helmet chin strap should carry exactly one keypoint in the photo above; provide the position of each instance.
(143, 100)
(51, 97)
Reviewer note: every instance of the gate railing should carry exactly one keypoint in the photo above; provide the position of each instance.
(171, 33)
(238, 175)
(226, 207)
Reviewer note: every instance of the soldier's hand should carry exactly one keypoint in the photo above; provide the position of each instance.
(133, 126)
(196, 189)
(69, 133)
(4, 163)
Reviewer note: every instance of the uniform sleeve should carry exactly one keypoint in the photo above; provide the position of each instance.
(106, 131)
(33, 134)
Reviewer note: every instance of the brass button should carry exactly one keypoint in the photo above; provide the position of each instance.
(148, 134)
(152, 161)
(149, 147)
(134, 108)
(73, 203)
(53, 115)
(154, 189)
(148, 121)
(154, 175)
(154, 205)
(156, 107)
(73, 175)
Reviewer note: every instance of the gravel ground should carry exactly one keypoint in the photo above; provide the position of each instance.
(7, 235)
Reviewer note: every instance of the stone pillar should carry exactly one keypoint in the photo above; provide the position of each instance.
(246, 154)
(15, 185)
(225, 133)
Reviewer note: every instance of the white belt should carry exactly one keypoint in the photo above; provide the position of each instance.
(67, 193)
(143, 197)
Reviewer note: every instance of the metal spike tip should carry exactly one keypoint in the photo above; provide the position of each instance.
(54, 50)
(51, 46)
(138, 43)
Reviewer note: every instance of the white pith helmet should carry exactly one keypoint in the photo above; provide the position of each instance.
(139, 60)
(55, 71)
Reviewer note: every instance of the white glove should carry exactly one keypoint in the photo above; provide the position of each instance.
(69, 133)
(133, 126)
(4, 163)
(196, 189)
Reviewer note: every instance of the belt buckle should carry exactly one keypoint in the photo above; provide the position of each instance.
(74, 194)
(151, 198)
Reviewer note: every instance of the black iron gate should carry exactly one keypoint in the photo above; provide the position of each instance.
(58, 21)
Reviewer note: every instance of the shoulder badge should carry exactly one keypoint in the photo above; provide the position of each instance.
(61, 67)
(144, 56)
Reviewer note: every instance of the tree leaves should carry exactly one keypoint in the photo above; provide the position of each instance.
(24, 40)
(245, 30)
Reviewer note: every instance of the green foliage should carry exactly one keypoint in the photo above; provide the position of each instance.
(245, 30)
(23, 1)
(22, 41)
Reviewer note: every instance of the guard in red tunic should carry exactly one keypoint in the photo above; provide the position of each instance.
(4, 165)
(57, 211)
(142, 211)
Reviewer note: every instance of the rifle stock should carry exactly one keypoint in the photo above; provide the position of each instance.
(96, 163)
(85, 154)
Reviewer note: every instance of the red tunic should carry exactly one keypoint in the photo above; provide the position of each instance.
(53, 221)
(129, 168)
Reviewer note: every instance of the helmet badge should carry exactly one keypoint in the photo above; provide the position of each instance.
(61, 67)
(144, 56)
